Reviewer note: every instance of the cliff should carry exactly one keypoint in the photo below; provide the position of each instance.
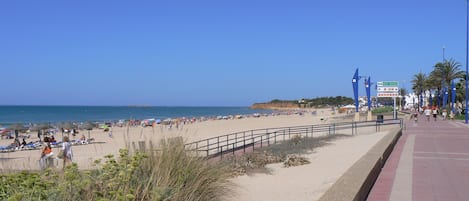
(269, 106)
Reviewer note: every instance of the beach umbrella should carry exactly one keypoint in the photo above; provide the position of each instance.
(88, 126)
(41, 127)
(68, 126)
(17, 128)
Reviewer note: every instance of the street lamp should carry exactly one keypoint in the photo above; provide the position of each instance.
(467, 74)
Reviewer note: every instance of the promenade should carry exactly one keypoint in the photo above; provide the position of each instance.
(429, 162)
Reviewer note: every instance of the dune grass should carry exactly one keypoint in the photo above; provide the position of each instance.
(163, 172)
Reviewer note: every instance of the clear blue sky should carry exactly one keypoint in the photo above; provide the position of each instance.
(220, 52)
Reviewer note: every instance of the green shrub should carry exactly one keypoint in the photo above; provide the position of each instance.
(381, 110)
(166, 174)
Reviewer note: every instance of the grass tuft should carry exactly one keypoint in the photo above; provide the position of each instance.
(162, 173)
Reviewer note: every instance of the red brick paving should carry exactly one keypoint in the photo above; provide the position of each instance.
(440, 163)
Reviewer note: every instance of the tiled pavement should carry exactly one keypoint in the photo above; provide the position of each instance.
(430, 162)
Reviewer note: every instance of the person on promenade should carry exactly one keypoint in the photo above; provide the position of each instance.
(67, 151)
(427, 113)
(444, 114)
(46, 156)
(434, 112)
(415, 115)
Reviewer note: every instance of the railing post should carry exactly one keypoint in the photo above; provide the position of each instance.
(221, 152)
(283, 134)
(268, 139)
(275, 137)
(312, 131)
(208, 146)
(261, 141)
(253, 144)
(244, 145)
(233, 149)
(289, 135)
(236, 139)
(356, 128)
(218, 144)
(333, 129)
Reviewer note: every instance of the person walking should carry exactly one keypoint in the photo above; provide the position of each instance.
(434, 112)
(67, 151)
(427, 113)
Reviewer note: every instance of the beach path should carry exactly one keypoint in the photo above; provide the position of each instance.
(430, 162)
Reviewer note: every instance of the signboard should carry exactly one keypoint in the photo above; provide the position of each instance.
(388, 88)
(388, 84)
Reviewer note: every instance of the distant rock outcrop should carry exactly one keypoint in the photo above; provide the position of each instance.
(304, 103)
(276, 105)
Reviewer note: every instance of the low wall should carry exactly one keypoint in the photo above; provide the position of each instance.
(356, 183)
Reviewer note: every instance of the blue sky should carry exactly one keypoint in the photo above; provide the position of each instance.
(220, 52)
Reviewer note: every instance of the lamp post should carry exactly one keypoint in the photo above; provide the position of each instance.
(467, 74)
(444, 53)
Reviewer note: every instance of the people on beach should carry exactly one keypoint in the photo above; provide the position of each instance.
(46, 156)
(39, 133)
(67, 151)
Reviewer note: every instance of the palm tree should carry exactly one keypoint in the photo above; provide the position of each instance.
(433, 82)
(419, 84)
(448, 70)
(445, 72)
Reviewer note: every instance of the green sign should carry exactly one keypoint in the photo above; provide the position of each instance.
(388, 84)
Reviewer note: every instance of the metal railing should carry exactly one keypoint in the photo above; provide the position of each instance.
(258, 138)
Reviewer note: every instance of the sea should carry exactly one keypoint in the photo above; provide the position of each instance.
(53, 114)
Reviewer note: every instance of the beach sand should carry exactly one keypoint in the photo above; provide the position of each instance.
(307, 182)
(85, 155)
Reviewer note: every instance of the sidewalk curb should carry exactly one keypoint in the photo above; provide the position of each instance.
(357, 181)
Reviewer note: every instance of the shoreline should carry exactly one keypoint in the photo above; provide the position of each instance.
(122, 136)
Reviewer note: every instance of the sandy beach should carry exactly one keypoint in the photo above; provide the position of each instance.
(307, 182)
(84, 155)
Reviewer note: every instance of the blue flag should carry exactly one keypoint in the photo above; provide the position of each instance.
(453, 96)
(368, 89)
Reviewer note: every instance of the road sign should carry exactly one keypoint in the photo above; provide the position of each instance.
(388, 88)
(388, 84)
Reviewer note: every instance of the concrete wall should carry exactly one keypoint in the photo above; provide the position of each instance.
(356, 183)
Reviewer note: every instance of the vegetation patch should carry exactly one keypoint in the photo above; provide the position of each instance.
(167, 174)
(287, 152)
(381, 110)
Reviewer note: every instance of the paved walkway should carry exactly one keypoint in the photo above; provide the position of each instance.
(429, 163)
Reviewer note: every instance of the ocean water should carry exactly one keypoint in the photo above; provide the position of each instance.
(52, 114)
